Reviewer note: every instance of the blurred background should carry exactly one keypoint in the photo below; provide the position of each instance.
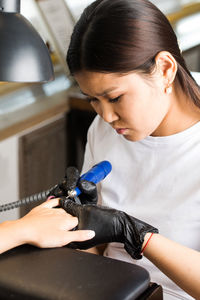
(43, 127)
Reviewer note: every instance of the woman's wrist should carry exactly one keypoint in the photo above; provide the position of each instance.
(11, 235)
(147, 240)
(24, 231)
(146, 237)
(18, 232)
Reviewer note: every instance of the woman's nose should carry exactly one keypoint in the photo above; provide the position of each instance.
(108, 114)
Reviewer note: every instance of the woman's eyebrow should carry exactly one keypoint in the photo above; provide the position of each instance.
(105, 92)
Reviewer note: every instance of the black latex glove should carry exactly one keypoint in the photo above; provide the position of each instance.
(110, 225)
(70, 182)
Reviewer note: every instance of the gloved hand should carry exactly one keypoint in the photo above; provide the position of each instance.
(70, 182)
(110, 225)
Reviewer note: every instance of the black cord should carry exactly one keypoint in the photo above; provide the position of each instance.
(27, 200)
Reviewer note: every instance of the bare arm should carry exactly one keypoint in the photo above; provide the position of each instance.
(179, 263)
(44, 226)
(98, 250)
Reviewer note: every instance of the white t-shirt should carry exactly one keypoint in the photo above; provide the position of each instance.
(156, 180)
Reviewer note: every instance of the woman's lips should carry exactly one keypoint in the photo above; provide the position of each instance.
(121, 130)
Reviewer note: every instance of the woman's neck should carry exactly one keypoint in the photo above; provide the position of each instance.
(182, 114)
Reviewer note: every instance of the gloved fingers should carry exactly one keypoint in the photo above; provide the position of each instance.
(102, 221)
(69, 182)
(89, 192)
(71, 178)
(70, 206)
(57, 191)
(87, 187)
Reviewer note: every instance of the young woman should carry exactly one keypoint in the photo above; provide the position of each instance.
(125, 57)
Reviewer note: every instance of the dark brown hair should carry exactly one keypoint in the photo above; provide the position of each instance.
(120, 36)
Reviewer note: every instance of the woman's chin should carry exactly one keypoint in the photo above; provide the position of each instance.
(134, 137)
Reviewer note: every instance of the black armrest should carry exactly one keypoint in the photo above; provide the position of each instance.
(27, 272)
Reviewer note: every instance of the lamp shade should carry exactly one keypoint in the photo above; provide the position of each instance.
(24, 57)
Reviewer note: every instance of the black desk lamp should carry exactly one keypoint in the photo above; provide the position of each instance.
(24, 57)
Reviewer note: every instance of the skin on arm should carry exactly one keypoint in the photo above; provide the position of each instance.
(179, 263)
(44, 226)
(98, 250)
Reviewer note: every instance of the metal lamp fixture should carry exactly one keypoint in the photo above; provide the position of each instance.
(24, 57)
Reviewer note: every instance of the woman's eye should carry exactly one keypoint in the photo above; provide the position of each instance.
(91, 99)
(114, 99)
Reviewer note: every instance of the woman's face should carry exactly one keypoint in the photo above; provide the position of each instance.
(133, 106)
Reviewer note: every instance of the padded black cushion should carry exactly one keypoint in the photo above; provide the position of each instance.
(30, 273)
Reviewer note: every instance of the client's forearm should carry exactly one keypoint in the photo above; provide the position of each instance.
(11, 235)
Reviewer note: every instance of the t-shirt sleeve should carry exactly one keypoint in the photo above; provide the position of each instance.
(88, 160)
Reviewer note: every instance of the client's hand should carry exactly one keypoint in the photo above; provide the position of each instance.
(110, 225)
(46, 226)
(70, 182)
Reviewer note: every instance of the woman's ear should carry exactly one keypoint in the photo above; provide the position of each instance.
(167, 67)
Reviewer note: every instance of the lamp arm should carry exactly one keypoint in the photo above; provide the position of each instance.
(12, 6)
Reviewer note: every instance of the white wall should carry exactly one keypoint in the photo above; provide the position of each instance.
(9, 169)
(9, 176)
(77, 6)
